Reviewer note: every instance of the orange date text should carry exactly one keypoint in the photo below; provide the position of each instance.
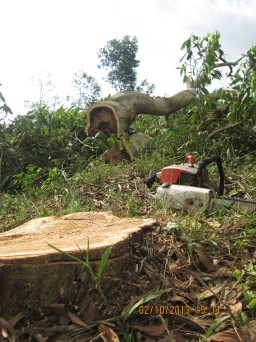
(178, 310)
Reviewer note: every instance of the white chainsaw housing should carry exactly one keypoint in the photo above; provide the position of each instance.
(188, 198)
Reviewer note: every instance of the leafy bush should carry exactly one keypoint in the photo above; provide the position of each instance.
(228, 122)
(43, 140)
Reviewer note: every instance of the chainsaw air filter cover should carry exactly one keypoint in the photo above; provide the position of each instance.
(185, 174)
(171, 174)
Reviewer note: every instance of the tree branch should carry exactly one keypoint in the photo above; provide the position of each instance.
(222, 129)
(200, 79)
(116, 114)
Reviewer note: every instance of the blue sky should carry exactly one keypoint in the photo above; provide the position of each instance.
(44, 40)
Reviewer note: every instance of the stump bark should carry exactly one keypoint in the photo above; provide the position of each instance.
(33, 276)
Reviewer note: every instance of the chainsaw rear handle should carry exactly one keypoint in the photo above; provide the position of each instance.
(151, 181)
(202, 166)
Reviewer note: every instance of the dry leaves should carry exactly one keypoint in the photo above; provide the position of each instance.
(107, 334)
(208, 293)
(75, 319)
(236, 309)
(205, 260)
(194, 278)
(8, 326)
(152, 329)
(230, 335)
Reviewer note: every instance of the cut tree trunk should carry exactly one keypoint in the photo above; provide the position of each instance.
(115, 115)
(34, 276)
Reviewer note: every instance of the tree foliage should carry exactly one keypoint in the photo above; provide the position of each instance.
(45, 139)
(87, 90)
(49, 166)
(225, 117)
(118, 58)
(202, 61)
(4, 108)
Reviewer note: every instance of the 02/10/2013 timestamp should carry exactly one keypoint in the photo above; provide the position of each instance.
(178, 310)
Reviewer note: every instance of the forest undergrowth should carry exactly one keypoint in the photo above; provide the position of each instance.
(196, 275)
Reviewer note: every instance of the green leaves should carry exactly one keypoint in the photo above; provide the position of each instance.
(233, 109)
(4, 108)
(200, 58)
(2, 97)
(50, 140)
(144, 300)
(103, 263)
(118, 58)
(214, 325)
(86, 263)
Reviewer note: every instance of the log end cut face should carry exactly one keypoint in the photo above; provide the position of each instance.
(28, 243)
(101, 119)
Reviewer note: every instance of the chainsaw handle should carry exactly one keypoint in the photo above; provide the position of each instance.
(204, 163)
(151, 181)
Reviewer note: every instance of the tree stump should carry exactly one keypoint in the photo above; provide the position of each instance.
(34, 276)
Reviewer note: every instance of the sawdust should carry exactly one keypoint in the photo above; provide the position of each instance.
(68, 233)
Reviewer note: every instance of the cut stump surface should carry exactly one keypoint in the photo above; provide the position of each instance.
(28, 242)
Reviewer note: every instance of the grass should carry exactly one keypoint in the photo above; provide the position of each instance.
(184, 253)
(97, 278)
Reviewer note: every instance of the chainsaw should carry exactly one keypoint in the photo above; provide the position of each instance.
(187, 186)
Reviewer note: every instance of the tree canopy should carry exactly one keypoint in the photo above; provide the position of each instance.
(118, 58)
(209, 112)
(4, 108)
(87, 90)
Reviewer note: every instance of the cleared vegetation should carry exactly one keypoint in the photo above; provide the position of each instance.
(195, 276)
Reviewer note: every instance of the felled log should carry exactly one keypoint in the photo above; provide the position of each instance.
(115, 115)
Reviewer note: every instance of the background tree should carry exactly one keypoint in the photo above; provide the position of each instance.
(50, 138)
(227, 113)
(87, 90)
(118, 58)
(4, 108)
(46, 92)
(145, 87)
(5, 147)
